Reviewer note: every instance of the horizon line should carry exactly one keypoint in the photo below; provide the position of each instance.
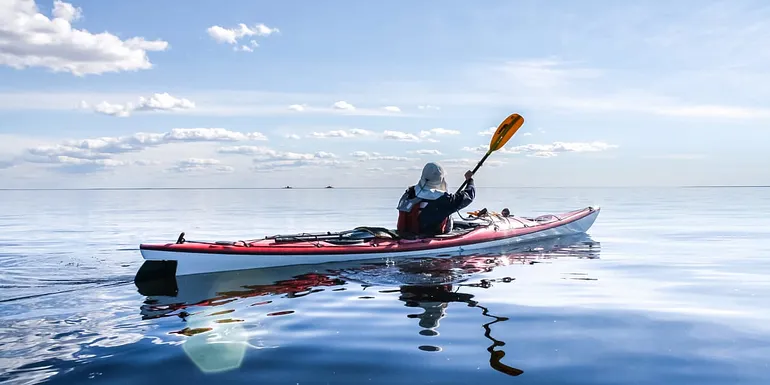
(352, 188)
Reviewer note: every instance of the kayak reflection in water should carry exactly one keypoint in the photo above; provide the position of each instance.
(435, 299)
(426, 208)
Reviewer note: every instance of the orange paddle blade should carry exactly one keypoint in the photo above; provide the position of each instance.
(505, 131)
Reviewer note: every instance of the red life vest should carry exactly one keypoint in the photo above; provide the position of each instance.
(409, 221)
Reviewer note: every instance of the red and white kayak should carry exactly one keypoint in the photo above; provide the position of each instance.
(479, 232)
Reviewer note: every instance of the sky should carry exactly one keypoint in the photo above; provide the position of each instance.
(362, 94)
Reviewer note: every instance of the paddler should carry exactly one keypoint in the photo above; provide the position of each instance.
(426, 208)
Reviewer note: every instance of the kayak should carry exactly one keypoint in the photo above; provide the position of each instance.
(168, 294)
(480, 230)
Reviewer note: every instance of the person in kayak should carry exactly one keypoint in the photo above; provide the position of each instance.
(426, 208)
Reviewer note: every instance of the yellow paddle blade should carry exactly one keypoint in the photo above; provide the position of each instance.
(505, 131)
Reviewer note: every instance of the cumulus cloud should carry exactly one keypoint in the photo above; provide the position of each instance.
(66, 11)
(400, 136)
(426, 152)
(406, 137)
(410, 168)
(99, 153)
(156, 102)
(366, 156)
(469, 163)
(268, 154)
(438, 131)
(343, 105)
(29, 38)
(84, 166)
(198, 164)
(548, 150)
(488, 132)
(292, 136)
(391, 109)
(146, 162)
(233, 36)
(423, 136)
(267, 166)
(351, 133)
(297, 107)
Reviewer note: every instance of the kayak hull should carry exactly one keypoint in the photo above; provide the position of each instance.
(203, 257)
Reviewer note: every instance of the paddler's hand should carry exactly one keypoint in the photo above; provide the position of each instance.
(468, 175)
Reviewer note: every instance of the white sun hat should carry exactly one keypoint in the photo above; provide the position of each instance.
(432, 183)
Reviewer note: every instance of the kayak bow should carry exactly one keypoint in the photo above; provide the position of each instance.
(484, 231)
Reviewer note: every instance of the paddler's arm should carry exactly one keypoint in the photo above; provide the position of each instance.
(465, 197)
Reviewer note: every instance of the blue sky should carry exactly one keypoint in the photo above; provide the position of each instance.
(268, 93)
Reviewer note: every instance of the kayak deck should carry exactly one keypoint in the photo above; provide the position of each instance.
(487, 230)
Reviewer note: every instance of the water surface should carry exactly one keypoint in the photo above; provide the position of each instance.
(669, 286)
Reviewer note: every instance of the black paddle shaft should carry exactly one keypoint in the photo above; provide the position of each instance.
(462, 186)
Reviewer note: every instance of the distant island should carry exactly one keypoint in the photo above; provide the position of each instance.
(329, 186)
(287, 187)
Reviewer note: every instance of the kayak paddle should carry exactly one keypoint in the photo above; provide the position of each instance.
(504, 132)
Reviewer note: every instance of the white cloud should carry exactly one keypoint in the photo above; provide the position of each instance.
(391, 109)
(207, 102)
(482, 149)
(146, 162)
(427, 152)
(343, 105)
(400, 136)
(233, 35)
(366, 156)
(547, 150)
(424, 136)
(29, 38)
(267, 166)
(562, 147)
(265, 154)
(469, 163)
(163, 102)
(198, 164)
(428, 107)
(66, 11)
(68, 160)
(292, 136)
(488, 132)
(243, 48)
(156, 102)
(99, 153)
(410, 168)
(106, 108)
(351, 133)
(438, 131)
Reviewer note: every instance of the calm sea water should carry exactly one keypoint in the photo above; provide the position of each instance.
(670, 286)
